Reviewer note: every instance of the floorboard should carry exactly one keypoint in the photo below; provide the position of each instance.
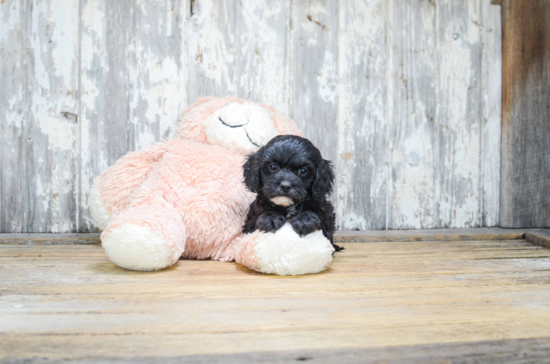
(419, 300)
(341, 236)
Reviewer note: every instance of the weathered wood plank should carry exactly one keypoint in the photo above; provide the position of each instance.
(132, 56)
(409, 114)
(314, 73)
(436, 144)
(430, 235)
(458, 151)
(508, 351)
(540, 237)
(362, 121)
(491, 86)
(525, 175)
(413, 143)
(239, 48)
(13, 194)
(49, 239)
(38, 103)
(64, 302)
(342, 236)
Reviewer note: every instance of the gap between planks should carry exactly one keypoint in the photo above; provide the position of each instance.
(539, 237)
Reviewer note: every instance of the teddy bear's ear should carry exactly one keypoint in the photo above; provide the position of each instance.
(252, 177)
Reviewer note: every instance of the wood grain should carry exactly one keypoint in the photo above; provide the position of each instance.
(50, 239)
(404, 97)
(239, 48)
(362, 120)
(341, 236)
(430, 235)
(413, 142)
(314, 73)
(541, 238)
(443, 140)
(525, 175)
(38, 104)
(64, 302)
(131, 78)
(509, 351)
(491, 96)
(458, 193)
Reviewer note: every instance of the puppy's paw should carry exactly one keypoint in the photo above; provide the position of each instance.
(305, 223)
(270, 222)
(337, 247)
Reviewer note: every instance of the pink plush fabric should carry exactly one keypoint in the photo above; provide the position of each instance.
(186, 191)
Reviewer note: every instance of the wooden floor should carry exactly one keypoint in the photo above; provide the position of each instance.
(393, 301)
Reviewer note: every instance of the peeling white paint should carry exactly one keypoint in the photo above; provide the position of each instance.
(163, 76)
(9, 15)
(354, 222)
(327, 80)
(64, 38)
(394, 93)
(15, 115)
(362, 122)
(60, 133)
(239, 51)
(207, 45)
(93, 63)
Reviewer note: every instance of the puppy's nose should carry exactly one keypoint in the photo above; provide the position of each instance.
(285, 186)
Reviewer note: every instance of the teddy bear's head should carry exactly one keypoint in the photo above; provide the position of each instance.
(240, 125)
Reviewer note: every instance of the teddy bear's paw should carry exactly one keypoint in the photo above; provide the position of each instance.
(100, 214)
(286, 253)
(137, 247)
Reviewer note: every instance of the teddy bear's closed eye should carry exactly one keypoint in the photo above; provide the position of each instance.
(242, 127)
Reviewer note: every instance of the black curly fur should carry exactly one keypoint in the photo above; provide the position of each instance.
(311, 210)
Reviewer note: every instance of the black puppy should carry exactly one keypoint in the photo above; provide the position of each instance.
(292, 181)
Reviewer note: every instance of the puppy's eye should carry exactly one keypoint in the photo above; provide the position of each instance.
(273, 167)
(302, 171)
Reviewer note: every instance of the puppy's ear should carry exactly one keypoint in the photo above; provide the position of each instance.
(252, 178)
(322, 186)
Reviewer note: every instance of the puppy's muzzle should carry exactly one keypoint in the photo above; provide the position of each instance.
(282, 201)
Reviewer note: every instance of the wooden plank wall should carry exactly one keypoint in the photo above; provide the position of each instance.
(39, 98)
(525, 196)
(403, 96)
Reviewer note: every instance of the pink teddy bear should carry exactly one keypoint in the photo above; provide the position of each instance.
(185, 197)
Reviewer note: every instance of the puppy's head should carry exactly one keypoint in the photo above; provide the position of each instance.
(288, 170)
